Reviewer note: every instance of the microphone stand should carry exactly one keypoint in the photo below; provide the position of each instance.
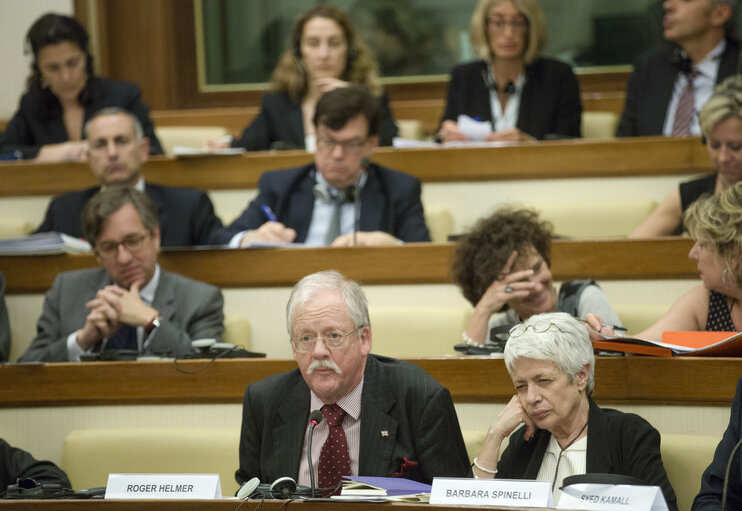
(314, 418)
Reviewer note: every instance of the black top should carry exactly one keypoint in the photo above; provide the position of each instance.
(39, 120)
(280, 125)
(691, 191)
(650, 87)
(550, 103)
(4, 324)
(17, 463)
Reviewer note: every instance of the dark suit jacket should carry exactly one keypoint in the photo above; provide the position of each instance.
(39, 121)
(650, 88)
(549, 104)
(617, 443)
(186, 215)
(190, 310)
(397, 397)
(15, 463)
(280, 122)
(4, 324)
(712, 482)
(390, 202)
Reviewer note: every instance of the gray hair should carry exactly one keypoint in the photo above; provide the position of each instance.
(565, 343)
(116, 110)
(330, 280)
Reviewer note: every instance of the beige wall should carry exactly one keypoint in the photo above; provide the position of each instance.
(16, 17)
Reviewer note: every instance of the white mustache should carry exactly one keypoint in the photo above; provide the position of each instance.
(323, 364)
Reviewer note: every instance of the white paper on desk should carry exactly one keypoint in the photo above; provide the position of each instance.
(406, 143)
(273, 244)
(180, 150)
(475, 130)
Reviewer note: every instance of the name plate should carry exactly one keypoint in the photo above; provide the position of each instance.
(609, 497)
(164, 486)
(491, 492)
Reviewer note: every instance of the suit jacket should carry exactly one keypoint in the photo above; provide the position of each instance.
(549, 104)
(16, 463)
(617, 443)
(280, 125)
(390, 202)
(186, 216)
(190, 310)
(712, 482)
(650, 87)
(4, 324)
(39, 120)
(397, 397)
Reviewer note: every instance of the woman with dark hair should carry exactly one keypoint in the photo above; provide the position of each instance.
(502, 268)
(325, 53)
(62, 94)
(523, 95)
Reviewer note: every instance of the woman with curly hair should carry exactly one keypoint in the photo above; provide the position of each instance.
(325, 53)
(502, 268)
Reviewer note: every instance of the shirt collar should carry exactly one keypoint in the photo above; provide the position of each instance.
(147, 293)
(138, 186)
(350, 402)
(334, 191)
(709, 65)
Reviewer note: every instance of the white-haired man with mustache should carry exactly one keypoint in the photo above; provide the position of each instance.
(382, 417)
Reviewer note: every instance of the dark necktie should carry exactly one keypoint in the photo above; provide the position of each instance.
(685, 109)
(125, 338)
(334, 459)
(333, 230)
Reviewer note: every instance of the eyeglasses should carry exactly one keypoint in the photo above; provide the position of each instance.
(519, 25)
(132, 243)
(334, 340)
(538, 327)
(352, 146)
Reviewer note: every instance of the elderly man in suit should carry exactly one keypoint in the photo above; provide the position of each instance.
(342, 199)
(670, 85)
(382, 417)
(117, 150)
(129, 303)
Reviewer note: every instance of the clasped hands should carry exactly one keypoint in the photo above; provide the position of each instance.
(450, 132)
(276, 232)
(112, 307)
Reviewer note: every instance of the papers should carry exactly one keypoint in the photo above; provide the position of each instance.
(45, 243)
(474, 129)
(180, 150)
(697, 344)
(407, 143)
(382, 486)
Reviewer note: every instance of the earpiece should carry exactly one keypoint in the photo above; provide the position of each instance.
(283, 488)
(248, 488)
(491, 85)
(681, 61)
(323, 193)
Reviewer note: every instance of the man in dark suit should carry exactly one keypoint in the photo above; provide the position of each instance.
(699, 55)
(129, 303)
(117, 149)
(396, 420)
(341, 199)
(712, 482)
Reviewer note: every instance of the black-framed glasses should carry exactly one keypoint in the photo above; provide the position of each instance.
(334, 340)
(131, 242)
(538, 327)
(519, 25)
(352, 146)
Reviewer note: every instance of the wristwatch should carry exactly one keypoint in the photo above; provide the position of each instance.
(154, 323)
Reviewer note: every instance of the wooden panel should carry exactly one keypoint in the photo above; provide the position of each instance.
(469, 379)
(649, 156)
(413, 263)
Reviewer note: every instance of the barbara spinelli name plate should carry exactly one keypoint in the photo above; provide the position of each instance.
(491, 492)
(612, 497)
(164, 486)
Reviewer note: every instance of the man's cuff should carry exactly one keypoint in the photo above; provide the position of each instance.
(236, 239)
(73, 349)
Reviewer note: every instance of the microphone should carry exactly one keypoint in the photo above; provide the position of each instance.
(726, 476)
(314, 418)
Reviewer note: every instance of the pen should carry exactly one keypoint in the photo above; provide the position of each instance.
(614, 327)
(268, 212)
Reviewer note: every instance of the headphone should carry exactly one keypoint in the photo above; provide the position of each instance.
(680, 60)
(281, 488)
(492, 85)
(349, 194)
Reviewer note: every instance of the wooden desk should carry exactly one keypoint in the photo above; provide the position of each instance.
(413, 263)
(652, 156)
(633, 380)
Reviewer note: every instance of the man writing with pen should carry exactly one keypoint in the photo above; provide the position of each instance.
(341, 199)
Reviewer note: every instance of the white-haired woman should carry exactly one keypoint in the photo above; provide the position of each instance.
(562, 431)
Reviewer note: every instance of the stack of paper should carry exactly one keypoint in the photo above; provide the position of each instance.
(44, 243)
(697, 344)
(394, 487)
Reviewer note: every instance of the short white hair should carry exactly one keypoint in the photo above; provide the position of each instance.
(565, 343)
(330, 280)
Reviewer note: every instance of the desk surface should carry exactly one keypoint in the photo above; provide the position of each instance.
(650, 156)
(413, 263)
(635, 380)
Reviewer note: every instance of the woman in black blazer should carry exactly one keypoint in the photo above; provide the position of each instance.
(63, 94)
(325, 53)
(522, 95)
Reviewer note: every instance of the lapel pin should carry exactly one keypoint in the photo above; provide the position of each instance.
(384, 432)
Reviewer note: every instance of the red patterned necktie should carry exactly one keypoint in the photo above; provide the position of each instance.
(334, 459)
(685, 109)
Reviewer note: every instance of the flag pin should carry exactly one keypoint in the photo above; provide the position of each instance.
(384, 432)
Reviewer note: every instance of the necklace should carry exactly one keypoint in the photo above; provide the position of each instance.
(559, 459)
